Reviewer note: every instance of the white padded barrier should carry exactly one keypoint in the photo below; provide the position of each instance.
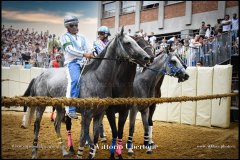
(189, 88)
(204, 87)
(5, 84)
(25, 78)
(222, 78)
(14, 76)
(161, 111)
(174, 90)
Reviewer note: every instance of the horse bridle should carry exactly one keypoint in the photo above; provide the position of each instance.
(164, 71)
(137, 39)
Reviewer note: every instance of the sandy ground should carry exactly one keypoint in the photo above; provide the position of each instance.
(172, 140)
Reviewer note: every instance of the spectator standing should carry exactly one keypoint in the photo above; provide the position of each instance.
(202, 30)
(208, 31)
(56, 63)
(235, 27)
(145, 36)
(226, 23)
(140, 33)
(218, 28)
(194, 50)
(129, 32)
(152, 40)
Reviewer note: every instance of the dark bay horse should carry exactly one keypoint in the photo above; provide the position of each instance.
(144, 86)
(96, 81)
(123, 87)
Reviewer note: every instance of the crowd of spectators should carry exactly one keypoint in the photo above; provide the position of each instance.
(30, 47)
(25, 47)
(195, 45)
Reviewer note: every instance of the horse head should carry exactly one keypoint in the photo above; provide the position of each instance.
(145, 46)
(175, 67)
(128, 48)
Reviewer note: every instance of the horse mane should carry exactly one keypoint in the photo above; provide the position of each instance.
(94, 63)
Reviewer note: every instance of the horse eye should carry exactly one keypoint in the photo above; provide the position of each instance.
(128, 43)
(173, 62)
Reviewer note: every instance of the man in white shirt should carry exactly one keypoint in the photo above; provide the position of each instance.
(153, 40)
(226, 23)
(129, 33)
(75, 48)
(235, 27)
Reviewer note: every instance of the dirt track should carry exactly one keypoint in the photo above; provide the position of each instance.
(173, 140)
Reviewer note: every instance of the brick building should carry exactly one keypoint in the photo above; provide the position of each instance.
(163, 17)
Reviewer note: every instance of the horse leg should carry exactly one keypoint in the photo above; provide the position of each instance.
(101, 129)
(150, 123)
(57, 125)
(121, 123)
(132, 116)
(68, 127)
(145, 114)
(27, 117)
(85, 123)
(39, 113)
(112, 122)
(96, 124)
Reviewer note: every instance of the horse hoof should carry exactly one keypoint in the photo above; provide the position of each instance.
(66, 154)
(149, 152)
(22, 126)
(120, 156)
(130, 153)
(153, 145)
(71, 151)
(34, 157)
(90, 157)
(112, 156)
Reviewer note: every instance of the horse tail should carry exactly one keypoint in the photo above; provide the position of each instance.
(28, 91)
(30, 111)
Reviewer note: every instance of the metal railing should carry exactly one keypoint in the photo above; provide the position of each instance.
(216, 51)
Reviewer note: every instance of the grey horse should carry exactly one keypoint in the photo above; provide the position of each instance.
(144, 86)
(96, 81)
(123, 87)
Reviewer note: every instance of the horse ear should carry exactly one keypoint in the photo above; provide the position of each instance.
(122, 30)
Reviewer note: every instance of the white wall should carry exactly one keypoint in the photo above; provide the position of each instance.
(202, 81)
(19, 79)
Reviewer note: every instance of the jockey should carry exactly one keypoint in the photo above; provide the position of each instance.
(75, 48)
(102, 41)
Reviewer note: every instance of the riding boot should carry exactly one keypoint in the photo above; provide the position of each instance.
(71, 112)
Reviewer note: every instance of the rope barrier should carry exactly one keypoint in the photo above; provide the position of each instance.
(90, 102)
(13, 81)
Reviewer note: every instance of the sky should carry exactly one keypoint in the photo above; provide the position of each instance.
(49, 15)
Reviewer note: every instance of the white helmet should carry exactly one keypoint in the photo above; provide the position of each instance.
(69, 20)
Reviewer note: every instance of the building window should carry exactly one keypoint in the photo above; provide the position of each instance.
(109, 10)
(149, 4)
(172, 2)
(128, 7)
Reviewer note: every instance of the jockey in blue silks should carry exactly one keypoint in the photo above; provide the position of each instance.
(102, 41)
(76, 49)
